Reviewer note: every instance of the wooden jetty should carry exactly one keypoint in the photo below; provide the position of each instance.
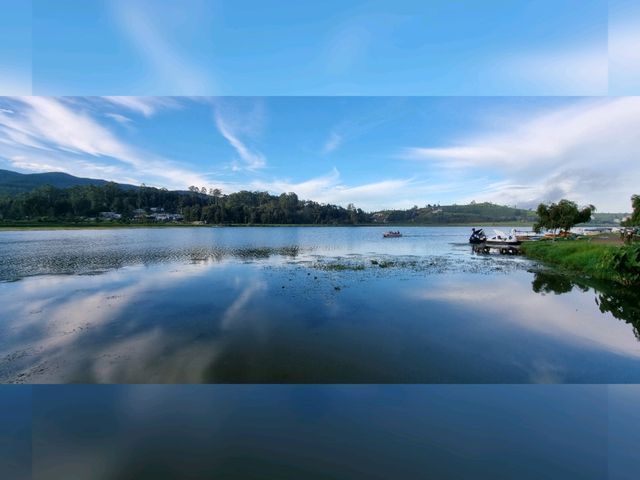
(501, 249)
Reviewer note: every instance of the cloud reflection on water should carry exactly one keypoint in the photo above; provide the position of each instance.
(277, 321)
(571, 318)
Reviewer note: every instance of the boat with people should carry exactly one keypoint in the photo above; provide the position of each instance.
(392, 234)
(477, 236)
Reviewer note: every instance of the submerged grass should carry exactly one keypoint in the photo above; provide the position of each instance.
(339, 267)
(595, 260)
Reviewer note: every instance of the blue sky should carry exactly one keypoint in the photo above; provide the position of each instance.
(624, 47)
(333, 47)
(375, 152)
(15, 47)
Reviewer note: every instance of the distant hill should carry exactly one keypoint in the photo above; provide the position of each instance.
(446, 214)
(13, 183)
(606, 219)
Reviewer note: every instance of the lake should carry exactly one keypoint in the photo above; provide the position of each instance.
(321, 431)
(300, 305)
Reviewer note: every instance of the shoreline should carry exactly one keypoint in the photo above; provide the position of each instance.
(97, 226)
(591, 259)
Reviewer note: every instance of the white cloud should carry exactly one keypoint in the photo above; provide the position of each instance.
(330, 188)
(232, 125)
(587, 152)
(118, 118)
(58, 133)
(147, 106)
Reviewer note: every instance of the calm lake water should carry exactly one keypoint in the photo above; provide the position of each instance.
(157, 432)
(299, 305)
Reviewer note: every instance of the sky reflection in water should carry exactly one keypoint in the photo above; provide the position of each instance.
(310, 313)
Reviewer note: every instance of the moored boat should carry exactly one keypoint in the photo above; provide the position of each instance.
(477, 236)
(501, 239)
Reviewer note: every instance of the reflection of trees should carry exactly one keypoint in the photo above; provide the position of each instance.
(620, 301)
(623, 305)
(548, 282)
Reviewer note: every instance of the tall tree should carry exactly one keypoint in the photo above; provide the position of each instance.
(562, 215)
(634, 219)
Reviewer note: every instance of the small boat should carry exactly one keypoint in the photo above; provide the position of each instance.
(560, 234)
(501, 239)
(477, 236)
(392, 234)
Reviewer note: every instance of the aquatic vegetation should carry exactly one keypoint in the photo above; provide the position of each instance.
(339, 267)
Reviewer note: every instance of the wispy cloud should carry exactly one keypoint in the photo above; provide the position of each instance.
(152, 29)
(358, 124)
(587, 152)
(118, 118)
(331, 188)
(147, 106)
(234, 124)
(253, 160)
(332, 143)
(51, 133)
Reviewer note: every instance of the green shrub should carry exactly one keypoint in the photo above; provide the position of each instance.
(625, 262)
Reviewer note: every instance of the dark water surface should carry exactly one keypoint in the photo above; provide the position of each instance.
(105, 432)
(317, 432)
(299, 305)
(15, 432)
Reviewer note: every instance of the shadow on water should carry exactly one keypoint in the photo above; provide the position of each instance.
(621, 302)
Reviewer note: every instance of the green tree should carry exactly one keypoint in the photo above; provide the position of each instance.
(634, 219)
(562, 215)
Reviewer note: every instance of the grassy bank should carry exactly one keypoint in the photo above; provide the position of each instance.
(601, 261)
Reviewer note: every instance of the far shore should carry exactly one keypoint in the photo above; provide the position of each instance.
(103, 226)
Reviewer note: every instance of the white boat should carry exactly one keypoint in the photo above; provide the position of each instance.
(501, 239)
(392, 234)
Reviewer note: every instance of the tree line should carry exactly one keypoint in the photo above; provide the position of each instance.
(69, 204)
(212, 206)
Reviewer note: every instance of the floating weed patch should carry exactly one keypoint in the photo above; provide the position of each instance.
(339, 267)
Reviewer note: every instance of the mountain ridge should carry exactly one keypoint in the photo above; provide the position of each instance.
(14, 183)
